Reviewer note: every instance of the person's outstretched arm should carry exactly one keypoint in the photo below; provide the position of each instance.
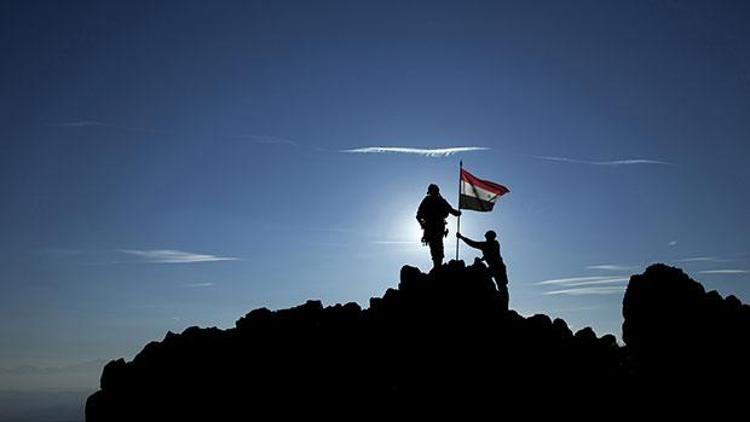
(472, 243)
(449, 208)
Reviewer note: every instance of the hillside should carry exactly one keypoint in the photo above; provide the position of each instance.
(440, 340)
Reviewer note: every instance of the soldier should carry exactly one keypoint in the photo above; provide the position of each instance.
(431, 215)
(491, 255)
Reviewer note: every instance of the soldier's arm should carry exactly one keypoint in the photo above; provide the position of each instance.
(472, 243)
(450, 209)
(420, 215)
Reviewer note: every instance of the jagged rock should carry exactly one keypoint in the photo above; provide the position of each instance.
(682, 337)
(440, 340)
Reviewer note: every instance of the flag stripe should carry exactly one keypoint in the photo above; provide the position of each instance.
(466, 202)
(484, 184)
(477, 192)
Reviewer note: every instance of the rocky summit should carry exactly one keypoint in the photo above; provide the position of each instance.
(439, 341)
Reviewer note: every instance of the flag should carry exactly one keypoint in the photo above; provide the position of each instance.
(477, 194)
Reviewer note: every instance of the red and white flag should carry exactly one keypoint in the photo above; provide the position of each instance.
(477, 194)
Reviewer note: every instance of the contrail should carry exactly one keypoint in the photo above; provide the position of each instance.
(612, 163)
(425, 152)
(169, 256)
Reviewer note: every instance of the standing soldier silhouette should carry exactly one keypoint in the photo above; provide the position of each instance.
(491, 255)
(431, 215)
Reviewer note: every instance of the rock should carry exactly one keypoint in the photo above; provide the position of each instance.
(440, 339)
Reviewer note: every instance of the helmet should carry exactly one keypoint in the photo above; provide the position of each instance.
(490, 235)
(433, 189)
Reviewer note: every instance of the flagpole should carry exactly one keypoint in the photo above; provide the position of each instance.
(458, 219)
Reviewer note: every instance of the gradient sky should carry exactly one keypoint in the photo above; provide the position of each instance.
(176, 164)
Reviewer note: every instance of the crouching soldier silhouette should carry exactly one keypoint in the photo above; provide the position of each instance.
(431, 215)
(491, 255)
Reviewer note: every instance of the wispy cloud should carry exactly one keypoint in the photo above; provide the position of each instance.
(611, 267)
(169, 256)
(602, 290)
(78, 123)
(93, 365)
(725, 271)
(105, 125)
(572, 281)
(576, 309)
(611, 163)
(593, 285)
(701, 259)
(426, 152)
(394, 242)
(612, 280)
(197, 285)
(672, 243)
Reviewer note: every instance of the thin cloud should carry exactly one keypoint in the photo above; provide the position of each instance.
(724, 271)
(672, 243)
(425, 152)
(98, 124)
(610, 267)
(702, 259)
(572, 280)
(612, 163)
(78, 123)
(576, 309)
(258, 139)
(88, 366)
(169, 256)
(594, 285)
(605, 290)
(602, 281)
(197, 285)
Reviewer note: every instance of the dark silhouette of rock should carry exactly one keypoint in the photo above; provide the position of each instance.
(439, 341)
(685, 340)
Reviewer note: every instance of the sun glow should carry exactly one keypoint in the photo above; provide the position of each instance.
(407, 231)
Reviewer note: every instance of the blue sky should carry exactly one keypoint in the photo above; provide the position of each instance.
(168, 165)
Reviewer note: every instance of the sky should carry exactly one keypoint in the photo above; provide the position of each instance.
(164, 164)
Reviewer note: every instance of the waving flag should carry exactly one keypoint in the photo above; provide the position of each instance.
(477, 194)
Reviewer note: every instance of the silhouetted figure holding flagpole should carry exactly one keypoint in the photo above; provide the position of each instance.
(476, 194)
(431, 215)
(480, 195)
(491, 255)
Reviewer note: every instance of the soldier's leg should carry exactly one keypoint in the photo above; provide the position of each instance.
(504, 298)
(500, 274)
(436, 249)
(441, 253)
